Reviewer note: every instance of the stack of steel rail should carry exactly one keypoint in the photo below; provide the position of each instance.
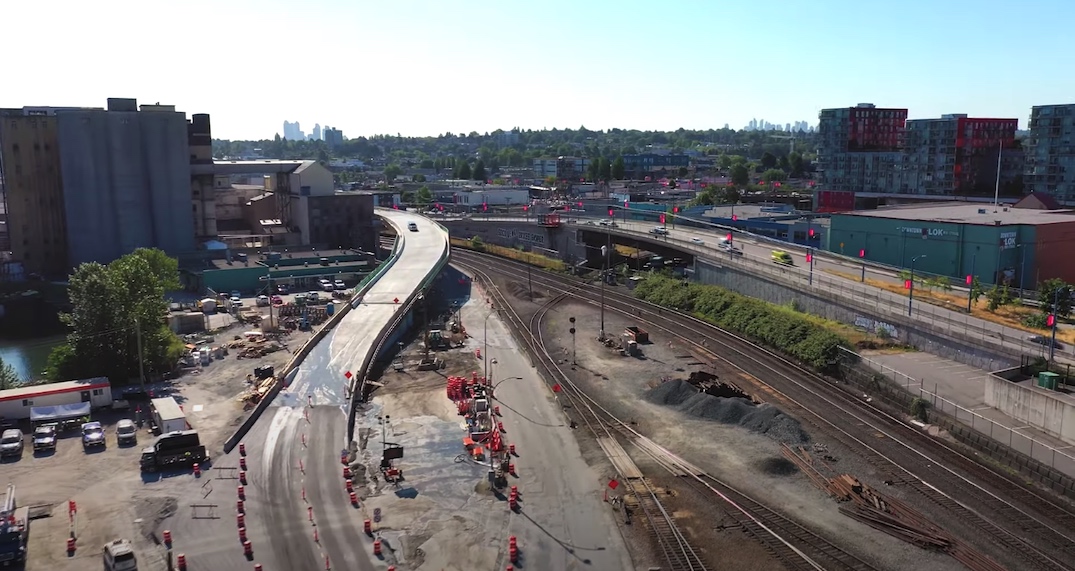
(889, 515)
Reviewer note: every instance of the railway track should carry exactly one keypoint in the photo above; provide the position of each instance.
(1037, 529)
(796, 546)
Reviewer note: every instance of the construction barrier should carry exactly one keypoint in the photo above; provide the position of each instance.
(367, 527)
(242, 492)
(167, 538)
(197, 471)
(242, 463)
(240, 520)
(70, 545)
(248, 548)
(377, 547)
(181, 562)
(242, 534)
(239, 506)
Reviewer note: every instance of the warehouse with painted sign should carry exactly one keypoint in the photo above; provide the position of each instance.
(1020, 245)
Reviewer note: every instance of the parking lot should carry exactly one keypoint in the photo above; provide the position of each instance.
(113, 498)
(962, 383)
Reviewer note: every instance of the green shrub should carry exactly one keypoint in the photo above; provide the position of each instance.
(777, 327)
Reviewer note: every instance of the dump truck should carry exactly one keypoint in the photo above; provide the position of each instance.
(14, 529)
(180, 449)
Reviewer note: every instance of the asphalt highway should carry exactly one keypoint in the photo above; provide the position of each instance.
(293, 450)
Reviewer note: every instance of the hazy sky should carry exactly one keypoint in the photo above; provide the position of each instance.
(423, 67)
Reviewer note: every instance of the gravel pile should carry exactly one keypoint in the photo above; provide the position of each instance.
(763, 419)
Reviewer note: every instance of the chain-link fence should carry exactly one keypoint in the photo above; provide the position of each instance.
(859, 367)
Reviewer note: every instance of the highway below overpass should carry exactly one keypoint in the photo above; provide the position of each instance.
(295, 484)
(756, 259)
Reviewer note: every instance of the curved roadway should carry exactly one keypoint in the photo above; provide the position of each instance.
(293, 450)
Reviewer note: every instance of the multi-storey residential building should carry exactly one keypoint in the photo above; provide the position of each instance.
(1050, 152)
(333, 137)
(858, 147)
(33, 189)
(571, 168)
(638, 167)
(544, 167)
(956, 154)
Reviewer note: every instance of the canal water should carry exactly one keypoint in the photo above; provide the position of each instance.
(28, 356)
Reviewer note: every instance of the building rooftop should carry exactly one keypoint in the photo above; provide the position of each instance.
(296, 257)
(266, 166)
(962, 213)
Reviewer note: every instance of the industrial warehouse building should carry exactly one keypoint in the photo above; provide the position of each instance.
(1021, 245)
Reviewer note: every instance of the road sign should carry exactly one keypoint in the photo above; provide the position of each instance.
(395, 300)
(348, 375)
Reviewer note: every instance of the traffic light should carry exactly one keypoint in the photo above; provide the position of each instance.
(485, 207)
(735, 217)
(662, 218)
(970, 279)
(611, 213)
(1050, 320)
(675, 210)
(729, 236)
(906, 284)
(811, 232)
(526, 207)
(862, 253)
(809, 257)
(625, 204)
(580, 204)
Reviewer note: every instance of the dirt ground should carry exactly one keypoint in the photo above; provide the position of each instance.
(748, 461)
(112, 497)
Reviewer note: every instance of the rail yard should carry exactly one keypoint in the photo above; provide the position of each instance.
(892, 477)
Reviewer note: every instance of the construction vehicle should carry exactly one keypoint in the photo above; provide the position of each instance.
(178, 449)
(14, 529)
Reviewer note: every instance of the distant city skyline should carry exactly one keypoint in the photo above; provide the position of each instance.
(891, 56)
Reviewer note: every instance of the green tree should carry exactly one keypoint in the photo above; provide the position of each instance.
(479, 171)
(795, 164)
(774, 175)
(424, 196)
(1055, 291)
(9, 379)
(462, 171)
(418, 178)
(768, 161)
(112, 306)
(618, 168)
(391, 172)
(740, 175)
(604, 169)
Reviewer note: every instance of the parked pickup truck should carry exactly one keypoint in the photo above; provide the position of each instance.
(45, 437)
(178, 449)
(93, 435)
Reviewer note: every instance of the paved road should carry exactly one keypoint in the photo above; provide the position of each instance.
(756, 259)
(281, 467)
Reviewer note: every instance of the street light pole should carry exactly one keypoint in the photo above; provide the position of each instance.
(141, 361)
(604, 268)
(970, 286)
(1056, 300)
(485, 342)
(910, 286)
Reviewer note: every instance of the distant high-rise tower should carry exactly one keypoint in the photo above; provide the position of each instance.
(316, 135)
(292, 131)
(333, 137)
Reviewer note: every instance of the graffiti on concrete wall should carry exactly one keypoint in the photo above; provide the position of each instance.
(513, 234)
(877, 327)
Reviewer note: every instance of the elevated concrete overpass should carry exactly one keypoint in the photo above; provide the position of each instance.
(572, 239)
(294, 441)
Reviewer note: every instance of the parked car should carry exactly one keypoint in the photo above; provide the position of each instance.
(313, 298)
(262, 301)
(282, 289)
(93, 435)
(412, 227)
(277, 300)
(126, 432)
(45, 437)
(11, 442)
(236, 302)
(338, 284)
(1045, 340)
(698, 241)
(236, 293)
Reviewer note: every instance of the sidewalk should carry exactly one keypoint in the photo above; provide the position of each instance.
(959, 391)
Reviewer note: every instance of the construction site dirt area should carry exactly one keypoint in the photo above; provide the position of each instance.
(451, 510)
(112, 498)
(720, 426)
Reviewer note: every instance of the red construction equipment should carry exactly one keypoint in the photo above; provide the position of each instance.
(377, 547)
(181, 562)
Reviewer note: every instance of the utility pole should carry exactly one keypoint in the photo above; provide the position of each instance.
(970, 283)
(604, 266)
(1056, 300)
(572, 330)
(141, 361)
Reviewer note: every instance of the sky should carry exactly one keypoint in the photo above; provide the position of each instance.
(425, 67)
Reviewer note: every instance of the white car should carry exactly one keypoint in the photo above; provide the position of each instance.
(119, 556)
(698, 241)
(338, 284)
(262, 300)
(412, 227)
(236, 302)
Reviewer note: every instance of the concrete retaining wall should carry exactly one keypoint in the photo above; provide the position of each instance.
(844, 310)
(528, 235)
(1045, 410)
